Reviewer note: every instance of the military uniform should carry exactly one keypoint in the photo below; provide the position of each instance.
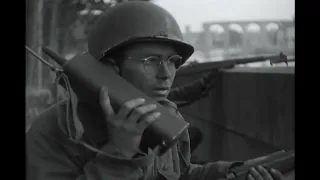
(51, 155)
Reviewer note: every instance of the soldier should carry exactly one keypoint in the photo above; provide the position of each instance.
(145, 43)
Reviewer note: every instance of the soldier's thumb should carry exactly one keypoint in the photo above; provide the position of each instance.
(105, 102)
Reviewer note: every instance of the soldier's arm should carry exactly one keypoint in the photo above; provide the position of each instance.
(208, 171)
(214, 170)
(49, 161)
(189, 92)
(218, 170)
(195, 90)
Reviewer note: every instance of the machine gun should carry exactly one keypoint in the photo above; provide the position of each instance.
(87, 76)
(282, 161)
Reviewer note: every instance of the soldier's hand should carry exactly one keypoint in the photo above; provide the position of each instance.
(260, 173)
(125, 127)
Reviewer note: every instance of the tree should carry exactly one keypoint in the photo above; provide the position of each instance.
(34, 31)
(50, 23)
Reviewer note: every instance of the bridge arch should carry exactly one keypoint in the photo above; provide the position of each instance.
(216, 28)
(236, 27)
(236, 35)
(253, 27)
(272, 27)
(255, 34)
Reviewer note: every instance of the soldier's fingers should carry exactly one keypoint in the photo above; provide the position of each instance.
(276, 174)
(128, 106)
(255, 174)
(105, 102)
(250, 177)
(147, 120)
(264, 173)
(143, 124)
(137, 113)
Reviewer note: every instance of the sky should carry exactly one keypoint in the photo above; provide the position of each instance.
(196, 12)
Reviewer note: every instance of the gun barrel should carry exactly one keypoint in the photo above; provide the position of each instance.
(60, 60)
(278, 58)
(232, 62)
(237, 61)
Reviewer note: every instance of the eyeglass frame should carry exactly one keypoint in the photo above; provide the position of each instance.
(102, 56)
(159, 63)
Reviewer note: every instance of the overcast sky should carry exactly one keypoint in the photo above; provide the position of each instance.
(195, 12)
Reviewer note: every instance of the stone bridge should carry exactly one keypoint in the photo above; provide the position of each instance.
(244, 35)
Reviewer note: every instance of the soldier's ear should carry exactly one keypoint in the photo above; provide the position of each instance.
(111, 62)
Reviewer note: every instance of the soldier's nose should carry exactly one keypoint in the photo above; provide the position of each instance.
(164, 72)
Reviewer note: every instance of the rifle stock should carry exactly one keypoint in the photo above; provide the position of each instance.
(281, 161)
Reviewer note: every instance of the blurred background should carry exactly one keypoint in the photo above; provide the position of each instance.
(218, 29)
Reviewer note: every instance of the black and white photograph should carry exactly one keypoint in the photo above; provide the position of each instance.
(160, 90)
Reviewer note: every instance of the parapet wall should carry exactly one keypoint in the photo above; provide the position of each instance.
(249, 113)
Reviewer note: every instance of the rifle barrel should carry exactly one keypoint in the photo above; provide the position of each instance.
(232, 62)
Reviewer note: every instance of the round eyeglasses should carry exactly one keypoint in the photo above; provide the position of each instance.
(152, 63)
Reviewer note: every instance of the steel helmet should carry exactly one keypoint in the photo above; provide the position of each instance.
(135, 21)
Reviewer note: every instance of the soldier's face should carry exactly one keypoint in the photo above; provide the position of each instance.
(140, 69)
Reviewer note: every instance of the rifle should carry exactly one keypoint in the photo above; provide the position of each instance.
(282, 161)
(88, 75)
(195, 90)
(230, 63)
(277, 61)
